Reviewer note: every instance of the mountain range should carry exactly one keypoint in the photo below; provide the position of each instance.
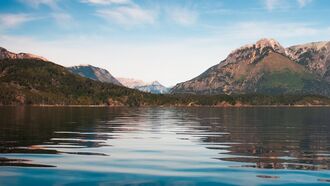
(32, 80)
(266, 67)
(95, 73)
(103, 75)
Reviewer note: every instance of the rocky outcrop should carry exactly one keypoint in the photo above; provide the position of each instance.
(5, 54)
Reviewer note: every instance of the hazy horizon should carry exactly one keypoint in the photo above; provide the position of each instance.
(170, 41)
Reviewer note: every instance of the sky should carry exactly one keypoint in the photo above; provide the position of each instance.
(166, 40)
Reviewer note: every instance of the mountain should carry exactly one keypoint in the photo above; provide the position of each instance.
(266, 67)
(5, 54)
(38, 82)
(131, 83)
(94, 73)
(33, 81)
(153, 87)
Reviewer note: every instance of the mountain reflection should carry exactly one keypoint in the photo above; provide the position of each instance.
(265, 138)
(270, 138)
(79, 127)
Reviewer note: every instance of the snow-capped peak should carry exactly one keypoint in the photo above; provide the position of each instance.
(156, 83)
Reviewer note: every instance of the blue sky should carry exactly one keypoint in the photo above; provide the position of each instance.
(170, 41)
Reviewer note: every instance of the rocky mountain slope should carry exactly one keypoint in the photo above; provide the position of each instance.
(153, 87)
(266, 67)
(315, 57)
(95, 73)
(5, 54)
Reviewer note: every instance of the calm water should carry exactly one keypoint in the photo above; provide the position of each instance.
(164, 146)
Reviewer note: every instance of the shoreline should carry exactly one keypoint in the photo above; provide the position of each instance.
(173, 106)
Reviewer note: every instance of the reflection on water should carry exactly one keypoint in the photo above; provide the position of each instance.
(164, 145)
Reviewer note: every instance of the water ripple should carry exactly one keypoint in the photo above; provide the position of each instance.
(206, 145)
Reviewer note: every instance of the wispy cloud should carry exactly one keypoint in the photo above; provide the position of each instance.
(276, 30)
(106, 2)
(14, 20)
(182, 16)
(275, 4)
(57, 13)
(36, 3)
(303, 3)
(271, 4)
(128, 15)
(241, 33)
(63, 19)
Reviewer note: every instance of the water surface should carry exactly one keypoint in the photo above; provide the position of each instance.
(164, 146)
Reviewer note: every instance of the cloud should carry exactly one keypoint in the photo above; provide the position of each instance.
(275, 4)
(36, 3)
(106, 2)
(271, 4)
(133, 14)
(63, 19)
(57, 13)
(303, 3)
(182, 16)
(287, 33)
(128, 15)
(14, 20)
(277, 30)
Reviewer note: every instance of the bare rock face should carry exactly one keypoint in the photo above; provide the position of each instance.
(30, 56)
(5, 54)
(264, 67)
(314, 56)
(94, 73)
(253, 53)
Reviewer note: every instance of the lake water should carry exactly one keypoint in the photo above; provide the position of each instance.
(164, 146)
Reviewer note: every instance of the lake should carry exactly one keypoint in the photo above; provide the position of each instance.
(164, 146)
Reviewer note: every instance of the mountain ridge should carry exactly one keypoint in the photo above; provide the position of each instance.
(95, 73)
(44, 83)
(245, 71)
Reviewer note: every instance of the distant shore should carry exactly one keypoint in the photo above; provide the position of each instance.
(173, 106)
